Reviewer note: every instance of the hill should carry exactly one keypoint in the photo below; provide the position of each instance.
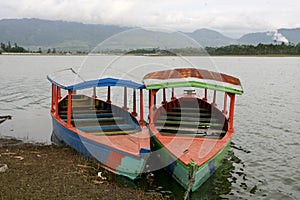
(73, 36)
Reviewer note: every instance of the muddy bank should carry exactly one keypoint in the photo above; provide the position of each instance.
(51, 172)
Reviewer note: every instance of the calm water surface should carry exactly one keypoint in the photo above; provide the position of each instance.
(264, 159)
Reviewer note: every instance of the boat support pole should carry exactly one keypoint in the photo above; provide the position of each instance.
(173, 95)
(125, 99)
(69, 108)
(134, 103)
(152, 104)
(141, 108)
(231, 114)
(94, 93)
(164, 97)
(108, 95)
(214, 99)
(225, 104)
(205, 94)
(53, 96)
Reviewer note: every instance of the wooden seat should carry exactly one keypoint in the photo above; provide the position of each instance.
(105, 128)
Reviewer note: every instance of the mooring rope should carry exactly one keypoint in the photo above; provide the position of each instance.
(193, 167)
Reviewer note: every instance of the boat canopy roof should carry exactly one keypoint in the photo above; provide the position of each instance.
(192, 77)
(68, 79)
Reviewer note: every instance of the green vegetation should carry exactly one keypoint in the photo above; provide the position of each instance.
(12, 49)
(260, 49)
(231, 50)
(152, 51)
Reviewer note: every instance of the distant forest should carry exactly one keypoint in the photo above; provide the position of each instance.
(260, 49)
(12, 49)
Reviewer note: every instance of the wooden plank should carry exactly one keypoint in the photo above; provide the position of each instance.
(105, 128)
(195, 130)
(186, 123)
(186, 109)
(215, 136)
(186, 118)
(88, 115)
(113, 132)
(85, 111)
(195, 114)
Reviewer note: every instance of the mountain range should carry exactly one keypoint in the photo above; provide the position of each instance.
(73, 36)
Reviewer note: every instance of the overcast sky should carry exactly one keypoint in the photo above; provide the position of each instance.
(230, 17)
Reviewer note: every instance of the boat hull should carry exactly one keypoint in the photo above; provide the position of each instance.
(181, 172)
(114, 160)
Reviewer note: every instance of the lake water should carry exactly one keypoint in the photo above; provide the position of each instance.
(264, 159)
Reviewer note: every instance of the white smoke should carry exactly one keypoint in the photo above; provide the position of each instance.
(279, 38)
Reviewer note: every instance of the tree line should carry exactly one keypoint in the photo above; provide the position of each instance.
(18, 49)
(260, 49)
(12, 49)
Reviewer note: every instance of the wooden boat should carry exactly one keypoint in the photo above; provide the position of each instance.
(191, 133)
(97, 128)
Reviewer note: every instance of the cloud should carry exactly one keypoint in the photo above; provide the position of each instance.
(229, 16)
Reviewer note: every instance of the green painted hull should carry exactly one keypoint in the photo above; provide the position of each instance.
(181, 172)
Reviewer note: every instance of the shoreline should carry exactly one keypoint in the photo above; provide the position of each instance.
(38, 171)
(143, 55)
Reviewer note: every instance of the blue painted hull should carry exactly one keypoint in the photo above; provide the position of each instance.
(130, 166)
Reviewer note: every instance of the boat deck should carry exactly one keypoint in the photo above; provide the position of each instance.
(188, 121)
(97, 118)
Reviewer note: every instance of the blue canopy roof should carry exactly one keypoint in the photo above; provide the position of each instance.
(69, 80)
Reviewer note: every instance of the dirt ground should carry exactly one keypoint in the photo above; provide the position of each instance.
(52, 172)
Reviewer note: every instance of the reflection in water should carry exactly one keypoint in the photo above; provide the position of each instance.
(218, 185)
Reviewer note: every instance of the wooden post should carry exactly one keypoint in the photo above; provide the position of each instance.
(52, 98)
(205, 94)
(58, 93)
(154, 102)
(231, 112)
(173, 97)
(151, 101)
(69, 108)
(108, 95)
(94, 92)
(152, 106)
(134, 103)
(125, 98)
(141, 108)
(214, 99)
(225, 103)
(56, 102)
(164, 96)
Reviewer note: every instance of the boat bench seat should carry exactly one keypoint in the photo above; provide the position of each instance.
(188, 123)
(191, 114)
(186, 118)
(121, 132)
(62, 112)
(192, 132)
(79, 107)
(186, 109)
(106, 128)
(88, 115)
(91, 120)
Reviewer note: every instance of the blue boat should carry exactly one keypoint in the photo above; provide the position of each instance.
(116, 136)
